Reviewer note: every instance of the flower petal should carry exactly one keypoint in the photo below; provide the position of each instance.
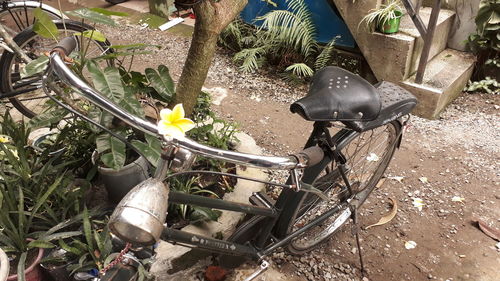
(184, 124)
(177, 113)
(4, 139)
(163, 126)
(165, 114)
(172, 131)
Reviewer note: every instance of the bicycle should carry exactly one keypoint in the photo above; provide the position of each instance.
(329, 180)
(17, 19)
(16, 16)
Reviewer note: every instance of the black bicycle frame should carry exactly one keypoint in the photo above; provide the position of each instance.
(272, 214)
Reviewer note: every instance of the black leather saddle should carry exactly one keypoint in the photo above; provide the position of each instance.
(339, 95)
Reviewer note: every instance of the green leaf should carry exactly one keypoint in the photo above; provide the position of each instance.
(150, 151)
(40, 244)
(100, 116)
(115, 55)
(108, 82)
(87, 230)
(109, 13)
(92, 34)
(130, 103)
(69, 248)
(203, 213)
(161, 81)
(35, 66)
(47, 118)
(44, 26)
(20, 267)
(115, 159)
(93, 16)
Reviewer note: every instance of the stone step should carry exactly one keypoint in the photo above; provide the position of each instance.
(441, 34)
(445, 77)
(410, 42)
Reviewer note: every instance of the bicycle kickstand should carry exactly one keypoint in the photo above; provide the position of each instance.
(355, 231)
(264, 265)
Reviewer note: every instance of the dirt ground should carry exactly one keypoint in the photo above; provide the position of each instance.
(455, 156)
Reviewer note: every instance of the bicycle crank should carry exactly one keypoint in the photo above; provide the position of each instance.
(264, 265)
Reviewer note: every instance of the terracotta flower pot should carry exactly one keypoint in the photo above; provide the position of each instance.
(33, 272)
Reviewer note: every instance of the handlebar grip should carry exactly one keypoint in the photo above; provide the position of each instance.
(66, 45)
(313, 155)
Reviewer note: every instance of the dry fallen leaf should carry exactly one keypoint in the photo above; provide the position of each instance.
(380, 183)
(387, 218)
(399, 179)
(410, 245)
(418, 203)
(491, 232)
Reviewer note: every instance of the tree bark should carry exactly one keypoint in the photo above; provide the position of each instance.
(211, 18)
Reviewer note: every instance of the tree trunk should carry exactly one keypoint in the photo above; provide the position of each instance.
(211, 18)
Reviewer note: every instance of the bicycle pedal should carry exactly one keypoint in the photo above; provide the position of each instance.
(264, 265)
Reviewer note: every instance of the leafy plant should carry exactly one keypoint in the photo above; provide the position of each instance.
(485, 42)
(194, 214)
(29, 198)
(487, 85)
(377, 18)
(286, 39)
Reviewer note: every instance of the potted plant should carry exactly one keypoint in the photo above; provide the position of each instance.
(385, 19)
(27, 185)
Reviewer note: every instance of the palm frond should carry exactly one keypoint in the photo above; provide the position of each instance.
(231, 37)
(324, 57)
(292, 27)
(250, 59)
(300, 70)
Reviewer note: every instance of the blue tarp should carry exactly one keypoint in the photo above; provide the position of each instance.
(328, 23)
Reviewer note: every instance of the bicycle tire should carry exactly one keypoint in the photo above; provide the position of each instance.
(16, 16)
(33, 102)
(367, 154)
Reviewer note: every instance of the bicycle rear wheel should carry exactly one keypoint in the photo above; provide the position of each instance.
(17, 16)
(367, 155)
(33, 100)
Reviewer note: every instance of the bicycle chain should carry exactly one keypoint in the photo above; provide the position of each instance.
(118, 259)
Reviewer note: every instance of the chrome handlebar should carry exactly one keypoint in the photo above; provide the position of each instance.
(66, 75)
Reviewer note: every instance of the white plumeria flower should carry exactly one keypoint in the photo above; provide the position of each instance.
(173, 123)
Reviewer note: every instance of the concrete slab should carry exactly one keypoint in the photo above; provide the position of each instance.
(141, 6)
(445, 77)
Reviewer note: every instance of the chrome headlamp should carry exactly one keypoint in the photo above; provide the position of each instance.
(140, 215)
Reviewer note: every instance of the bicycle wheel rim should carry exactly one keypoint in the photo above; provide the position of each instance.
(35, 102)
(368, 155)
(18, 18)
